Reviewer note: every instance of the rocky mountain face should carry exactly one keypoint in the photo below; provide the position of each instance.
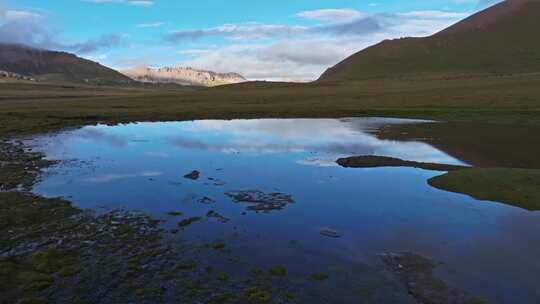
(503, 39)
(53, 66)
(183, 76)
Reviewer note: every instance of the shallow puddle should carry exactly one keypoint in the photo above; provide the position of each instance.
(270, 192)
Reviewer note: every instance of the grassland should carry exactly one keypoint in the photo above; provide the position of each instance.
(518, 187)
(505, 99)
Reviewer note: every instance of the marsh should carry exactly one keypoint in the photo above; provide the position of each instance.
(277, 184)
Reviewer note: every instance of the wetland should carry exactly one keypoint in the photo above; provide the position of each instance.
(254, 211)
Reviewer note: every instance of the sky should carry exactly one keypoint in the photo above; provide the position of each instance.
(293, 40)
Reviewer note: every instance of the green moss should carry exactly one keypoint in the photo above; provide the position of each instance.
(68, 271)
(168, 275)
(277, 271)
(193, 288)
(23, 211)
(186, 265)
(189, 221)
(257, 272)
(217, 246)
(222, 276)
(34, 281)
(318, 276)
(289, 296)
(51, 261)
(223, 297)
(257, 295)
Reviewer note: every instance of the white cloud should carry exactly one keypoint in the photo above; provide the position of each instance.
(304, 53)
(291, 60)
(111, 177)
(244, 31)
(17, 15)
(331, 15)
(434, 15)
(131, 2)
(150, 24)
(97, 58)
(31, 29)
(141, 3)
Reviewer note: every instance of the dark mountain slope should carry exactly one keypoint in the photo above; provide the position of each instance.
(52, 66)
(503, 39)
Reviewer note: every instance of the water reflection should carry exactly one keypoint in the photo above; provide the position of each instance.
(241, 162)
(112, 177)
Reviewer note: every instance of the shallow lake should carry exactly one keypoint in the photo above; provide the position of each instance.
(273, 186)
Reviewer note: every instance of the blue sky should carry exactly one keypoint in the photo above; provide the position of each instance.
(274, 40)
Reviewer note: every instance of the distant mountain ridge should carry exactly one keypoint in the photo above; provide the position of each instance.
(183, 76)
(503, 39)
(53, 66)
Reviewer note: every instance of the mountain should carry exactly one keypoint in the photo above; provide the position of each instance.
(503, 39)
(183, 76)
(52, 66)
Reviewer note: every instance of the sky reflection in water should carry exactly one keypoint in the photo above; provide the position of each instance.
(490, 248)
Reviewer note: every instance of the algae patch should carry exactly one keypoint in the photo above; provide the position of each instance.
(260, 201)
(319, 276)
(277, 271)
(188, 221)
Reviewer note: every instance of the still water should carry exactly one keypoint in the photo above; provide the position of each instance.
(485, 248)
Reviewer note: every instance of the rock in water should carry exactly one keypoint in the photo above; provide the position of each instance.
(194, 175)
(330, 233)
(206, 200)
(260, 201)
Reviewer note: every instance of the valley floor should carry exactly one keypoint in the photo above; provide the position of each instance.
(487, 122)
(505, 99)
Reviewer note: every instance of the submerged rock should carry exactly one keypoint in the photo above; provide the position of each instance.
(417, 274)
(216, 182)
(188, 221)
(330, 233)
(261, 201)
(217, 216)
(206, 200)
(194, 175)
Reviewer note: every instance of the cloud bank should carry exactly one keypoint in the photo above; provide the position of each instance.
(301, 53)
(30, 28)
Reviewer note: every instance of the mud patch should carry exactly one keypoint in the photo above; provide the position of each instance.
(373, 161)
